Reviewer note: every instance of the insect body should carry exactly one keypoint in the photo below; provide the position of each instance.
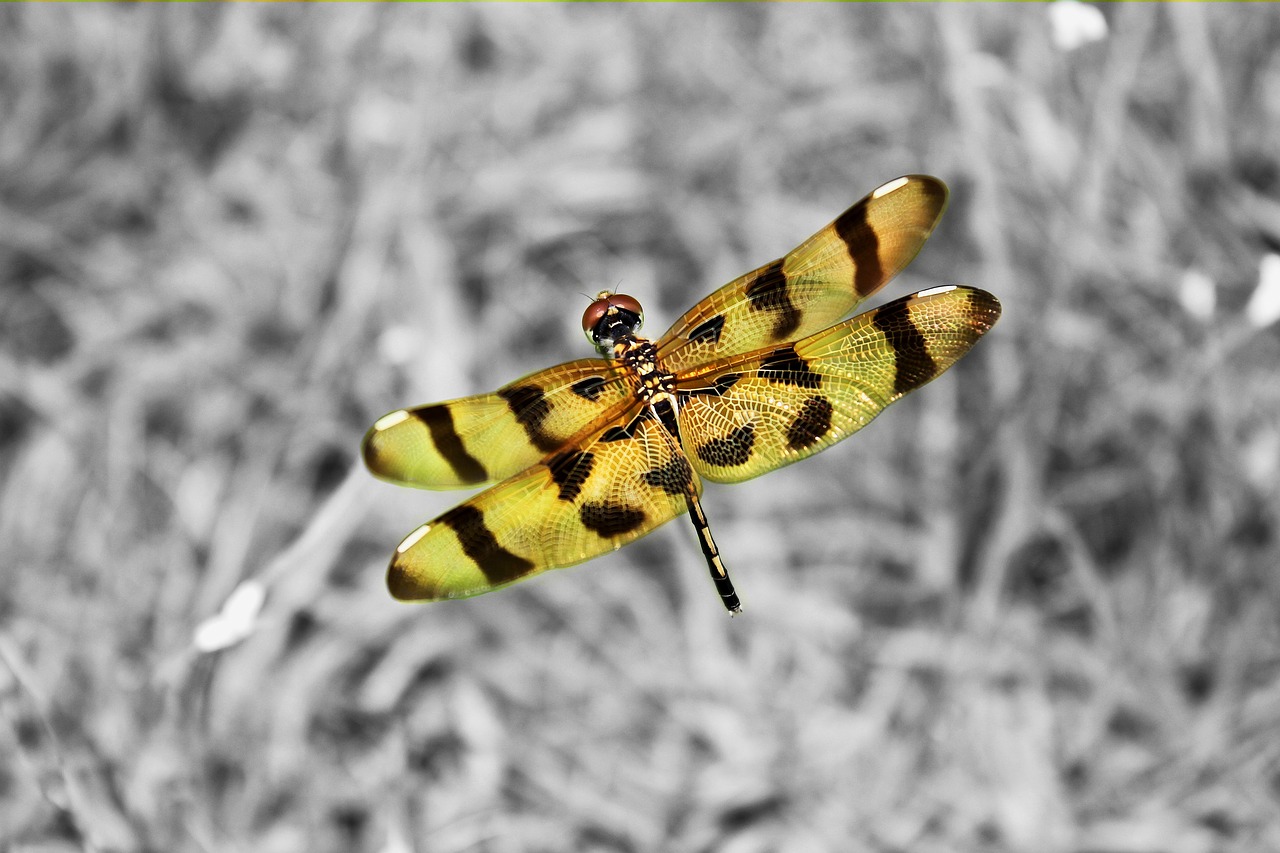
(594, 453)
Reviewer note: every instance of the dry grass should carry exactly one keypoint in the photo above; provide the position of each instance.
(1035, 608)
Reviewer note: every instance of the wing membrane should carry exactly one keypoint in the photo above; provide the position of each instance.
(586, 500)
(475, 440)
(750, 414)
(816, 284)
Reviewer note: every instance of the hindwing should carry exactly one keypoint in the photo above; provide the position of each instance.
(586, 499)
(753, 413)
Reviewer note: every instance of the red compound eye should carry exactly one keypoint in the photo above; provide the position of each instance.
(599, 309)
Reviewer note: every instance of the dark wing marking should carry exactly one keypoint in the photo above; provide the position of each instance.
(827, 386)
(816, 284)
(588, 499)
(489, 437)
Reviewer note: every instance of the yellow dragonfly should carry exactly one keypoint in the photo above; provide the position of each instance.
(595, 453)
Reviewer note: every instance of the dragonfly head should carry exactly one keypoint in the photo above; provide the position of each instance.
(611, 318)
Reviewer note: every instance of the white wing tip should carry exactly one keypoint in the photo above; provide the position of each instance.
(412, 539)
(389, 420)
(895, 184)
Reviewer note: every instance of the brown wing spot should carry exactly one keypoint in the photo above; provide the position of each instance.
(813, 422)
(608, 519)
(985, 306)
(732, 450)
(860, 238)
(769, 293)
(673, 478)
(708, 332)
(786, 367)
(403, 586)
(531, 409)
(725, 382)
(370, 452)
(498, 564)
(913, 366)
(717, 388)
(628, 432)
(589, 388)
(439, 422)
(570, 470)
(618, 433)
(936, 191)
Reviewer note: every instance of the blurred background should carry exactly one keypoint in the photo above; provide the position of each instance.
(1034, 607)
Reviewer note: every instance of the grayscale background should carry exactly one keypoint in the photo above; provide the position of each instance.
(1034, 608)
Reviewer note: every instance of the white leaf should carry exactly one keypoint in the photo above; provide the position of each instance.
(1264, 306)
(235, 621)
(1198, 294)
(398, 344)
(1072, 24)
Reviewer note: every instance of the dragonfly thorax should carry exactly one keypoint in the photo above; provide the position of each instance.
(641, 356)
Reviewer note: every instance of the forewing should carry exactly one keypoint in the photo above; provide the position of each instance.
(488, 437)
(584, 501)
(816, 284)
(747, 415)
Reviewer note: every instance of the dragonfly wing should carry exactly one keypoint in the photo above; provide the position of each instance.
(746, 415)
(814, 285)
(585, 500)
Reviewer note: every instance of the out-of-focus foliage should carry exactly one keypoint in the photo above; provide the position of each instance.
(1036, 607)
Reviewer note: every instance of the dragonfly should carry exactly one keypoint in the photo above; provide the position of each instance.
(590, 455)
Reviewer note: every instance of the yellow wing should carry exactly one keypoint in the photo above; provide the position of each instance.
(588, 499)
(475, 440)
(746, 415)
(816, 284)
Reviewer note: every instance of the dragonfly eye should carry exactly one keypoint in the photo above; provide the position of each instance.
(610, 316)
